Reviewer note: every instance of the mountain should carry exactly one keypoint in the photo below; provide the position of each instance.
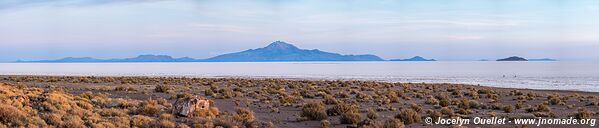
(513, 58)
(153, 58)
(543, 59)
(281, 51)
(416, 58)
(71, 59)
(140, 58)
(276, 51)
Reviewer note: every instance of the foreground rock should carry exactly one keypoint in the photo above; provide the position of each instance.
(187, 105)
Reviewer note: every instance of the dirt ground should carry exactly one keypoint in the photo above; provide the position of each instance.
(308, 103)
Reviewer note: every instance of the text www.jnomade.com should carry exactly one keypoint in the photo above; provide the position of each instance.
(502, 121)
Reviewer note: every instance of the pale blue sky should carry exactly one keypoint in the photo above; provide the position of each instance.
(440, 29)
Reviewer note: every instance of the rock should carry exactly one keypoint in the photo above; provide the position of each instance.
(187, 105)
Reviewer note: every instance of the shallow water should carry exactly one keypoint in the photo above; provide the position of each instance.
(562, 75)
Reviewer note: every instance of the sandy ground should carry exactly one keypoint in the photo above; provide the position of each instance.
(280, 101)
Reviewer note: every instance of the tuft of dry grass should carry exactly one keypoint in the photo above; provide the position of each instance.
(584, 114)
(372, 114)
(393, 123)
(325, 124)
(342, 108)
(162, 88)
(142, 121)
(350, 118)
(244, 115)
(314, 111)
(408, 116)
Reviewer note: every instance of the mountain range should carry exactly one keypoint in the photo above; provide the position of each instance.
(276, 51)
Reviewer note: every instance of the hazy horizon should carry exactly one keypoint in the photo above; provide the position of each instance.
(440, 29)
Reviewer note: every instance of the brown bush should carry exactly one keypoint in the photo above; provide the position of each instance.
(314, 111)
(341, 108)
(372, 114)
(11, 115)
(433, 114)
(162, 88)
(416, 107)
(325, 124)
(444, 103)
(584, 114)
(408, 116)
(508, 109)
(141, 121)
(72, 121)
(393, 123)
(166, 124)
(149, 108)
(432, 101)
(244, 115)
(350, 118)
(328, 99)
(447, 111)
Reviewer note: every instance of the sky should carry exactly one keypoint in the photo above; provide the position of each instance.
(450, 30)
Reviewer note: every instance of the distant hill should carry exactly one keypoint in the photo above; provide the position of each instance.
(153, 58)
(513, 58)
(281, 51)
(416, 58)
(543, 59)
(140, 58)
(276, 51)
(70, 59)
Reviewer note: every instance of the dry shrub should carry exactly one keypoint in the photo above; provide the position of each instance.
(432, 101)
(584, 114)
(287, 100)
(325, 124)
(444, 103)
(464, 104)
(72, 121)
(342, 108)
(416, 107)
(166, 124)
(408, 116)
(244, 115)
(149, 108)
(508, 109)
(227, 93)
(393, 123)
(141, 121)
(447, 111)
(372, 114)
(183, 126)
(53, 119)
(112, 112)
(162, 88)
(350, 118)
(124, 88)
(433, 114)
(226, 122)
(328, 99)
(543, 108)
(368, 123)
(314, 111)
(393, 96)
(211, 112)
(12, 116)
